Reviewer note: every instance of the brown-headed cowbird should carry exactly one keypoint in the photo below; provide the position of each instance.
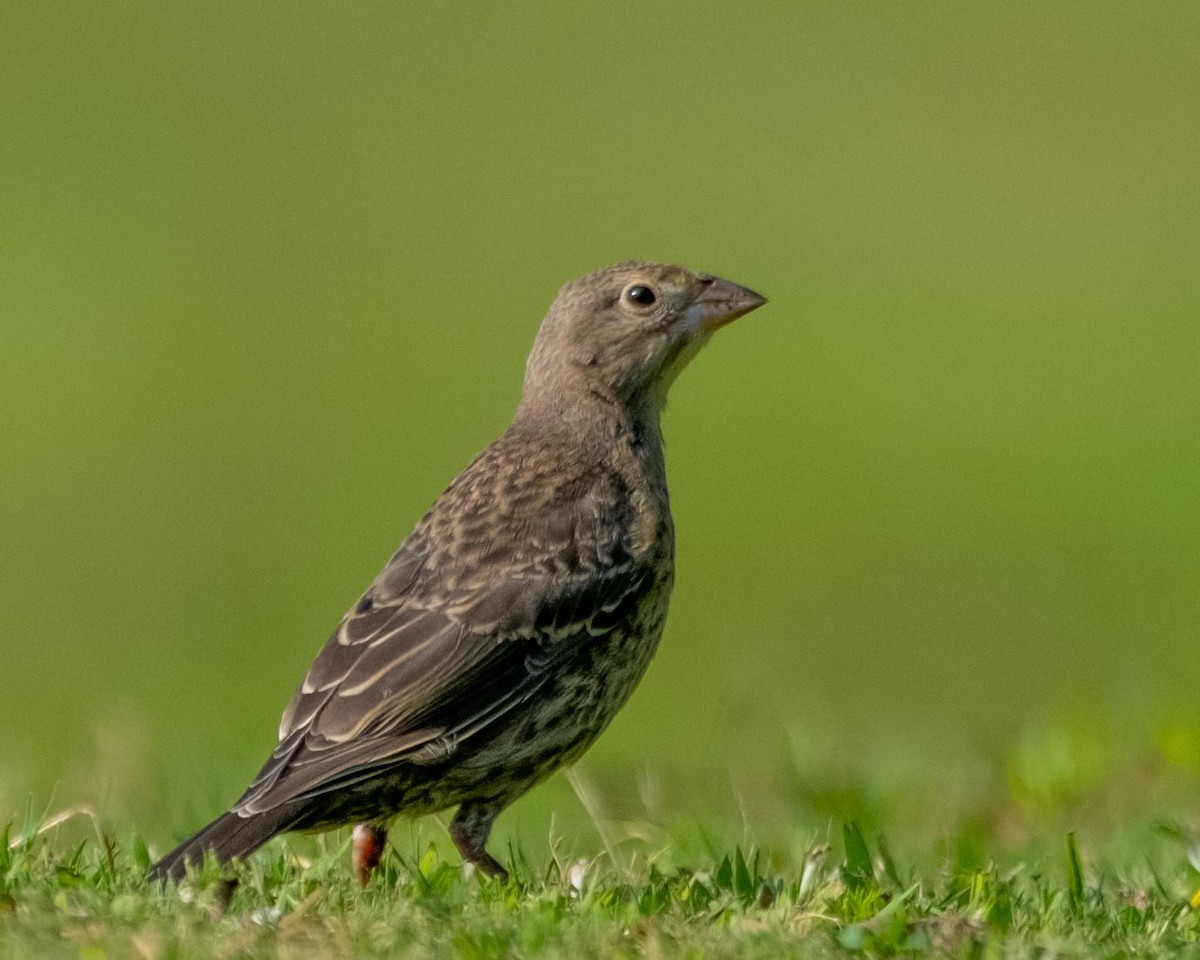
(519, 615)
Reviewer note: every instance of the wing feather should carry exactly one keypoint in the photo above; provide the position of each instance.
(508, 572)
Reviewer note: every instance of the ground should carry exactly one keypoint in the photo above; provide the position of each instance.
(933, 870)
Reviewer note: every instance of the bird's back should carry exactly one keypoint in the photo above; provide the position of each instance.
(498, 641)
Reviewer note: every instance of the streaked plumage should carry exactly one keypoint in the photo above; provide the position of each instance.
(520, 613)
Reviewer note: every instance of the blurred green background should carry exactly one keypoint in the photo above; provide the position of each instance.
(268, 275)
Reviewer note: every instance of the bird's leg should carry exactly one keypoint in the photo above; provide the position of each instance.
(367, 843)
(469, 830)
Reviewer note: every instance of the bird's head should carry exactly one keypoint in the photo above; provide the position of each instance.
(627, 331)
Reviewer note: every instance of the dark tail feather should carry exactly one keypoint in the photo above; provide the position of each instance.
(227, 837)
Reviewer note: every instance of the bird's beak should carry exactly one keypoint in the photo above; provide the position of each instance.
(719, 303)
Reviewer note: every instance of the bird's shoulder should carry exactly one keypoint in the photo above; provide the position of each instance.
(533, 506)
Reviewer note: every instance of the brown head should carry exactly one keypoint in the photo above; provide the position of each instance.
(625, 333)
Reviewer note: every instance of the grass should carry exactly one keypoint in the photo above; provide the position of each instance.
(89, 900)
(935, 869)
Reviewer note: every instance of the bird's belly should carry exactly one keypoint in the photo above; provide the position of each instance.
(553, 727)
(566, 715)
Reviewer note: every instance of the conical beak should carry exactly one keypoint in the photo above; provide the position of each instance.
(719, 303)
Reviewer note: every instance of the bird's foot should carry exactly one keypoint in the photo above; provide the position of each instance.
(367, 844)
(469, 831)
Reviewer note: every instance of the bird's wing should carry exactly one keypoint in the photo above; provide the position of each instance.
(457, 630)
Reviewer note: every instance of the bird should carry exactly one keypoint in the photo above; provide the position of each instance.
(522, 610)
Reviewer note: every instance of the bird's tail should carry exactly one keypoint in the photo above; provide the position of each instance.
(229, 836)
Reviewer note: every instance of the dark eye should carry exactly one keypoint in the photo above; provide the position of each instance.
(642, 296)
